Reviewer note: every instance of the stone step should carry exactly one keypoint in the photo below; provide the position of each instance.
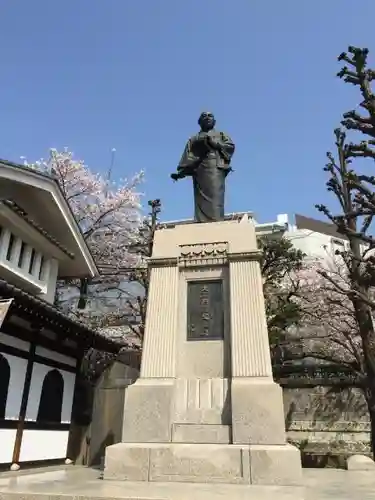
(114, 490)
(201, 433)
(204, 463)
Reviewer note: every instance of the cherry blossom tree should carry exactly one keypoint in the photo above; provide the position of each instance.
(132, 313)
(327, 332)
(109, 216)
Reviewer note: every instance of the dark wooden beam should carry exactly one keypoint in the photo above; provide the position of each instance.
(22, 333)
(38, 426)
(19, 353)
(24, 401)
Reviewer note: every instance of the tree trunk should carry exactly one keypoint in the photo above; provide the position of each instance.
(83, 289)
(363, 315)
(370, 400)
(369, 354)
(366, 328)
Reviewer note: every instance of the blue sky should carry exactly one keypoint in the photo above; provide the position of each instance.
(134, 75)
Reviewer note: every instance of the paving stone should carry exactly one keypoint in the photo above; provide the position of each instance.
(74, 481)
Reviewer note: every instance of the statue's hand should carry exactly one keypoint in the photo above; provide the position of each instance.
(211, 142)
(202, 137)
(177, 175)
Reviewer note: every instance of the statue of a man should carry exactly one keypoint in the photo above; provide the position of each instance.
(206, 159)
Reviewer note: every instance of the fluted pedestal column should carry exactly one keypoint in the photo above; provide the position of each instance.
(147, 412)
(160, 336)
(249, 336)
(257, 404)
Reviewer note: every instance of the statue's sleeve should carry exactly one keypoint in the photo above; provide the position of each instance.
(226, 147)
(188, 160)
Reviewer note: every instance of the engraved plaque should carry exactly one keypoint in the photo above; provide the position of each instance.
(205, 310)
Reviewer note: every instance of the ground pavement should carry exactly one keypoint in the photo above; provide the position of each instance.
(68, 483)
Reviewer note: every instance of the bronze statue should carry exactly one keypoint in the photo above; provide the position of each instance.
(206, 159)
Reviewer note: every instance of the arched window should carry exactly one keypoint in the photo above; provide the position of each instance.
(4, 384)
(51, 398)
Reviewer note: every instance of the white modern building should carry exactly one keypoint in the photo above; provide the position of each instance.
(314, 237)
(40, 347)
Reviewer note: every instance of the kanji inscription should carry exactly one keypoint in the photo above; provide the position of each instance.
(205, 310)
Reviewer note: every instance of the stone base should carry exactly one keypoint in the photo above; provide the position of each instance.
(201, 434)
(257, 411)
(147, 411)
(360, 462)
(204, 463)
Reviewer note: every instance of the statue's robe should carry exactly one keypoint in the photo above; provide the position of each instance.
(208, 167)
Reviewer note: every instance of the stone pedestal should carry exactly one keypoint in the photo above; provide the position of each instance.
(205, 408)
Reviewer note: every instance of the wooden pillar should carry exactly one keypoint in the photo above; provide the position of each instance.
(77, 432)
(24, 401)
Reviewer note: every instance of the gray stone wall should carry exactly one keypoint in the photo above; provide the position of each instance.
(107, 412)
(327, 419)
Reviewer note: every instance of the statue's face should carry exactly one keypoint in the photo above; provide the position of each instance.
(206, 121)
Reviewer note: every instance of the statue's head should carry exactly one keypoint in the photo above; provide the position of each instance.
(206, 121)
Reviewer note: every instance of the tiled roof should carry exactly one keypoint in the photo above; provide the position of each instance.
(39, 310)
(22, 213)
(52, 177)
(19, 166)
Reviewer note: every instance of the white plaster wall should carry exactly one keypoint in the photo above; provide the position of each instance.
(7, 438)
(37, 378)
(18, 368)
(51, 280)
(56, 356)
(43, 445)
(14, 342)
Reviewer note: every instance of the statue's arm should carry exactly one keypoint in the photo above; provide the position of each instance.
(187, 163)
(224, 145)
(188, 160)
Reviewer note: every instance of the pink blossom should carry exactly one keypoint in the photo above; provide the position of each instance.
(109, 215)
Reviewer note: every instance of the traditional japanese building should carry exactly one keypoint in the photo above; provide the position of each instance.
(40, 347)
